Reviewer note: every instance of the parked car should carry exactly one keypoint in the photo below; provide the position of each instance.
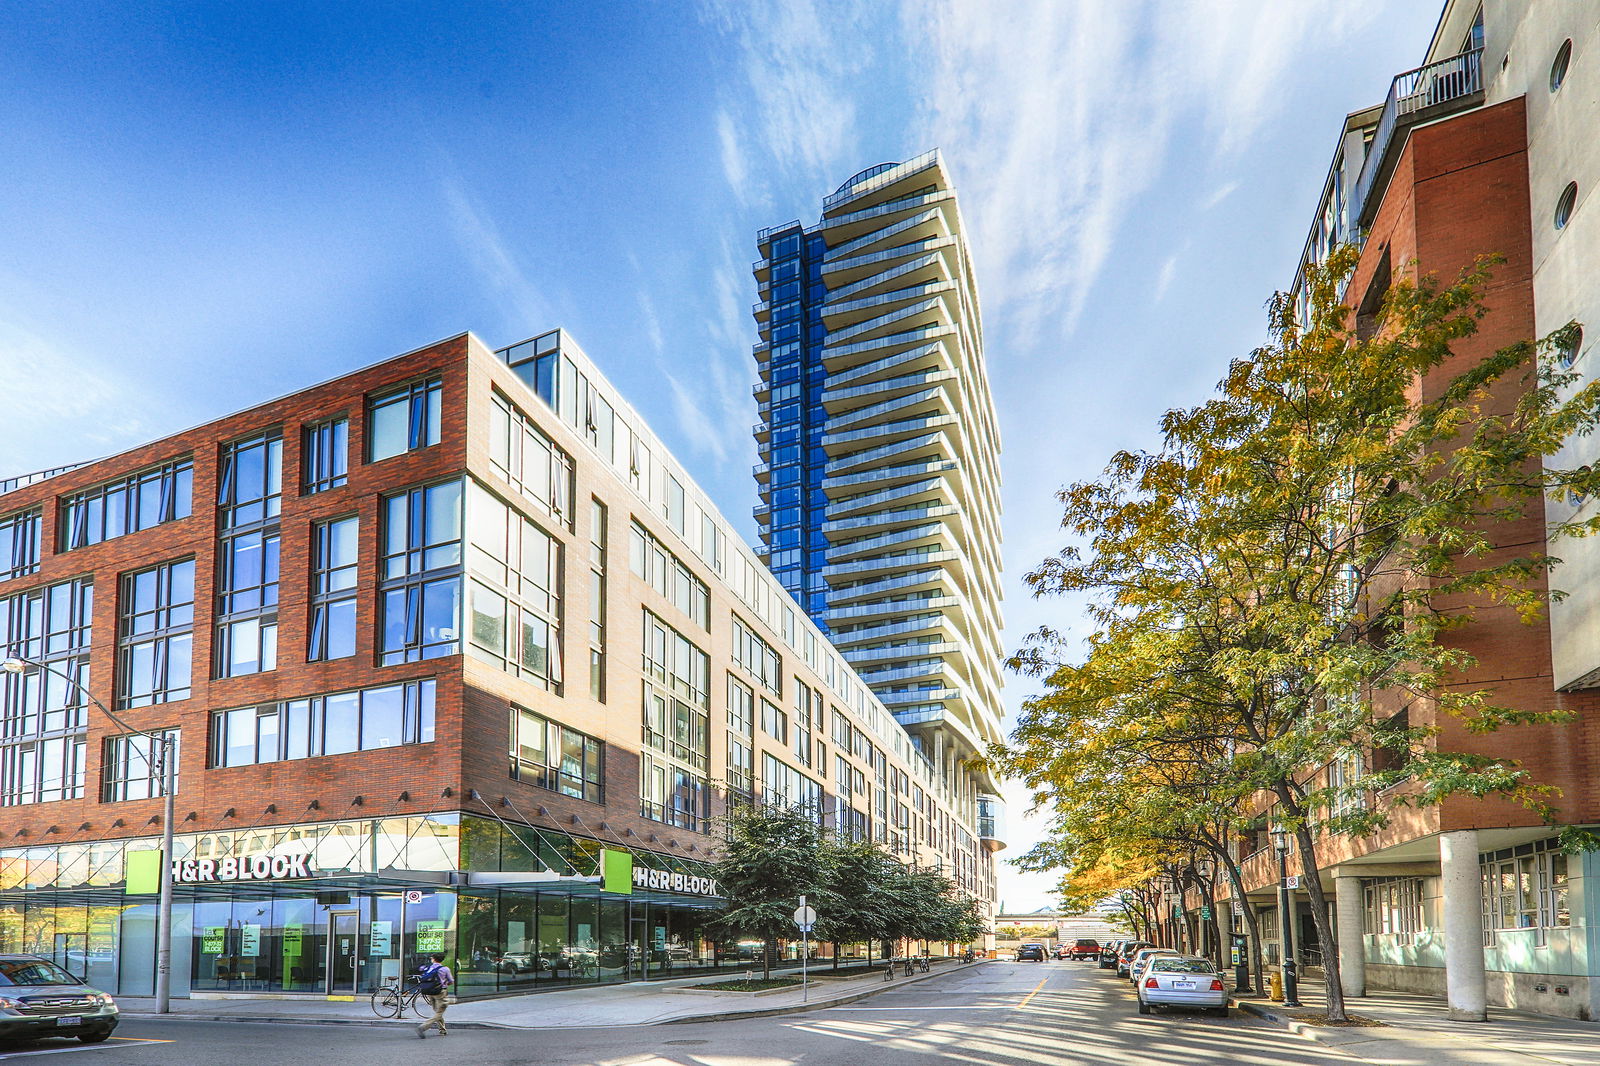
(1063, 952)
(1182, 981)
(1142, 958)
(1127, 951)
(1030, 953)
(39, 998)
(1108, 955)
(1085, 949)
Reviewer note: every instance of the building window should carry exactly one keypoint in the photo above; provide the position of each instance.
(127, 505)
(364, 720)
(784, 786)
(548, 755)
(132, 768)
(249, 499)
(529, 461)
(404, 419)
(597, 600)
(674, 661)
(156, 639)
(667, 574)
(1526, 887)
(333, 590)
(325, 455)
(514, 598)
(757, 657)
(774, 722)
(1565, 205)
(1558, 68)
(420, 591)
(19, 544)
(1568, 353)
(673, 794)
(42, 719)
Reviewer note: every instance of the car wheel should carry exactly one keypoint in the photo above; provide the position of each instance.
(94, 1038)
(1144, 1008)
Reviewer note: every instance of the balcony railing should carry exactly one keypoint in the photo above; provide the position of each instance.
(1420, 95)
(12, 484)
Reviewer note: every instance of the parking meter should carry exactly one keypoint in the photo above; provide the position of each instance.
(1241, 961)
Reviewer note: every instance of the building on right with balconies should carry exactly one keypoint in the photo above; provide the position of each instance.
(1487, 148)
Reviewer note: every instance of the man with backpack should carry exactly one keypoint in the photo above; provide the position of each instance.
(433, 983)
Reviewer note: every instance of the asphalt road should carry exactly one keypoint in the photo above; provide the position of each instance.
(998, 1014)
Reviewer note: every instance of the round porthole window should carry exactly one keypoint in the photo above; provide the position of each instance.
(1558, 69)
(1569, 350)
(1564, 206)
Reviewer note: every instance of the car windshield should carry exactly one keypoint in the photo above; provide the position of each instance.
(1182, 966)
(33, 972)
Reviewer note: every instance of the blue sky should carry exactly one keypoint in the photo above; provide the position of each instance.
(209, 204)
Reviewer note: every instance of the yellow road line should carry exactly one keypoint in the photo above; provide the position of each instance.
(1030, 995)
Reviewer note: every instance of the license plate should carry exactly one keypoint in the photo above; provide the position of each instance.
(70, 1020)
(1183, 984)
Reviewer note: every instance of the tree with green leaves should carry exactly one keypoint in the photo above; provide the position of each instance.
(854, 906)
(1284, 584)
(770, 857)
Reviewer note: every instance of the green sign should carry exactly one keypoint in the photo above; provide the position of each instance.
(291, 941)
(430, 936)
(143, 873)
(250, 941)
(378, 939)
(1205, 914)
(616, 871)
(214, 940)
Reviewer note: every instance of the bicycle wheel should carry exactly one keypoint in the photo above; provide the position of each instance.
(419, 1005)
(386, 1003)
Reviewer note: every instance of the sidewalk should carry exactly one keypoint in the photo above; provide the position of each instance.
(1417, 1033)
(638, 1003)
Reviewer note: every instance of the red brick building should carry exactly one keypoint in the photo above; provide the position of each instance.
(434, 636)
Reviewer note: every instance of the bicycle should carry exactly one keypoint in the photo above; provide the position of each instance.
(391, 1000)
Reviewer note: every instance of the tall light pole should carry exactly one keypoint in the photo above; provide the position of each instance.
(169, 771)
(1280, 843)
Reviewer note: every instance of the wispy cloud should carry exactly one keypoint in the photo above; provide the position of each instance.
(491, 255)
(48, 387)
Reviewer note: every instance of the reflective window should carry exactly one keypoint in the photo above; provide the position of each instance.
(404, 419)
(550, 755)
(42, 709)
(19, 544)
(420, 590)
(363, 720)
(156, 635)
(514, 597)
(127, 505)
(132, 768)
(325, 455)
(333, 590)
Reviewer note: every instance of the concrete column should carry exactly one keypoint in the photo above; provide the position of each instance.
(1465, 984)
(1352, 946)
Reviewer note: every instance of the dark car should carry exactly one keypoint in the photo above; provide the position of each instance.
(1030, 953)
(39, 998)
(1108, 955)
(1085, 949)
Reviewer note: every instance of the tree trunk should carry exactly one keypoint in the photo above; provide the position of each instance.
(768, 947)
(1311, 875)
(1251, 921)
(836, 954)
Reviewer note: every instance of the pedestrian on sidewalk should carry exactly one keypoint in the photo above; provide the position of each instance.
(433, 982)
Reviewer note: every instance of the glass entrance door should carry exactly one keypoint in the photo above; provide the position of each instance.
(344, 952)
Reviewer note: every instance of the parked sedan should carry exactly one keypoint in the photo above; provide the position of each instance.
(1108, 955)
(1182, 981)
(1141, 960)
(39, 998)
(1030, 953)
(1127, 951)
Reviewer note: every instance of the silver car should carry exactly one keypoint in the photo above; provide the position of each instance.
(1141, 959)
(39, 998)
(1182, 981)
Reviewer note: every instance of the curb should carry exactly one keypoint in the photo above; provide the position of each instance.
(380, 1023)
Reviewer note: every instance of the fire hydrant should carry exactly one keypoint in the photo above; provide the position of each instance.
(1275, 986)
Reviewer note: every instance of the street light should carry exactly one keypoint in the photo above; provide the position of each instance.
(1280, 843)
(16, 665)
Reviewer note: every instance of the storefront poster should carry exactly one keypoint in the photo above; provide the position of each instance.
(213, 940)
(378, 940)
(250, 940)
(291, 941)
(430, 936)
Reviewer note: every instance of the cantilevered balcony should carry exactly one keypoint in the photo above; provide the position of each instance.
(1426, 94)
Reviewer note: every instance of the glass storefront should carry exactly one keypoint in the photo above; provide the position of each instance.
(378, 903)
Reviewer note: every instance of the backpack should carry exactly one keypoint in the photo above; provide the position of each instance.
(430, 982)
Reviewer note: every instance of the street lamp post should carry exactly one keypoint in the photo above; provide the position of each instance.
(1280, 843)
(16, 665)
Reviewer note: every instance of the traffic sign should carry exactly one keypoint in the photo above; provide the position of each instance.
(805, 917)
(1291, 881)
